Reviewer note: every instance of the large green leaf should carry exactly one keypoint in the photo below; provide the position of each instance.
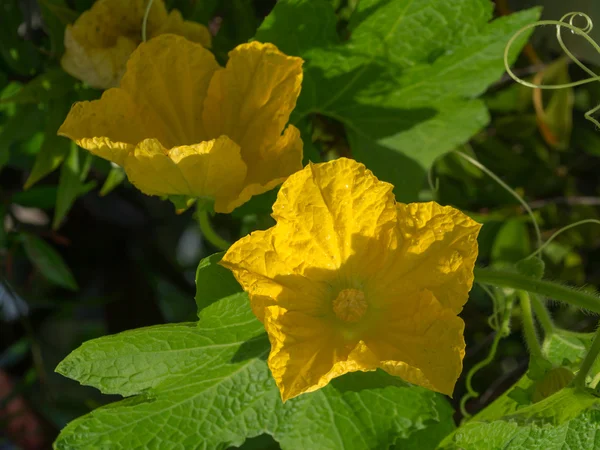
(207, 385)
(404, 83)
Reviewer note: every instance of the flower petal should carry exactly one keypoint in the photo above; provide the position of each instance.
(337, 209)
(208, 169)
(306, 353)
(101, 68)
(168, 77)
(192, 31)
(419, 340)
(100, 41)
(98, 126)
(285, 159)
(251, 101)
(261, 264)
(437, 251)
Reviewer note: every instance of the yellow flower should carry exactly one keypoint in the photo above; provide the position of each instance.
(101, 40)
(350, 280)
(181, 125)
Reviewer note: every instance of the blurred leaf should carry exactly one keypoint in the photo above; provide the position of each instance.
(115, 178)
(182, 203)
(512, 98)
(54, 148)
(53, 84)
(43, 197)
(48, 261)
(210, 381)
(20, 55)
(71, 184)
(213, 282)
(557, 116)
(512, 242)
(200, 11)
(3, 235)
(23, 124)
(57, 15)
(15, 353)
(60, 10)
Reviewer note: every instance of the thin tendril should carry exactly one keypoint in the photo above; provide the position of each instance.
(563, 229)
(500, 333)
(145, 21)
(509, 189)
(493, 319)
(580, 31)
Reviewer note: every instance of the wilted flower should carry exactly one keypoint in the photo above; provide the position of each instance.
(101, 40)
(350, 280)
(180, 124)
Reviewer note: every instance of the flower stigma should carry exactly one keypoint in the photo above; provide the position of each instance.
(350, 305)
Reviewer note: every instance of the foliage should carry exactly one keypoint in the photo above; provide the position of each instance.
(97, 279)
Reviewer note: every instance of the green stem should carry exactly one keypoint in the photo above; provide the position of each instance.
(529, 326)
(542, 314)
(567, 294)
(209, 233)
(588, 361)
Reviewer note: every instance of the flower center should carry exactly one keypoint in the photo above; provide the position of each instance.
(350, 305)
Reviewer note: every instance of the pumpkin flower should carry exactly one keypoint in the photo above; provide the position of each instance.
(101, 40)
(349, 280)
(179, 124)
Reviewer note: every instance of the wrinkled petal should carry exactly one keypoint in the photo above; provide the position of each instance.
(155, 101)
(344, 211)
(101, 40)
(101, 68)
(207, 169)
(437, 251)
(167, 78)
(192, 31)
(340, 281)
(419, 340)
(251, 101)
(285, 159)
(263, 263)
(304, 351)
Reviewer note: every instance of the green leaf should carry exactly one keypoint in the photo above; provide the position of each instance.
(71, 184)
(213, 282)
(403, 98)
(23, 124)
(53, 84)
(115, 178)
(567, 419)
(43, 197)
(54, 148)
(57, 15)
(207, 385)
(512, 242)
(20, 55)
(48, 261)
